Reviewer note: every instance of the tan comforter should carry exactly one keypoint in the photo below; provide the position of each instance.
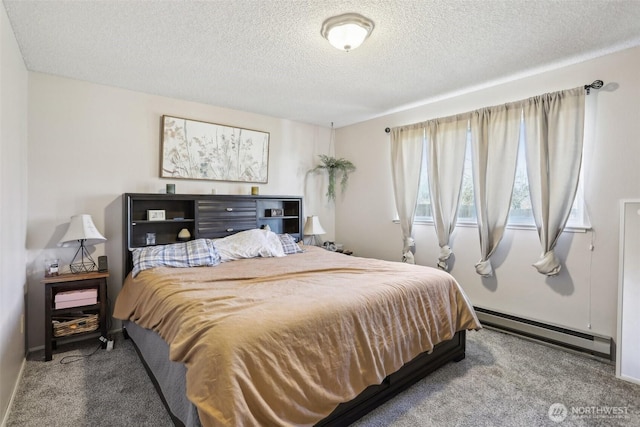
(283, 341)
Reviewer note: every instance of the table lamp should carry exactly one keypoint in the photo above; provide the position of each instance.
(313, 228)
(83, 231)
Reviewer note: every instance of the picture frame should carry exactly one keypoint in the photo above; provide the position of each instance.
(193, 149)
(156, 215)
(274, 212)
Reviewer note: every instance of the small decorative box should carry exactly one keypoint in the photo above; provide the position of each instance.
(76, 298)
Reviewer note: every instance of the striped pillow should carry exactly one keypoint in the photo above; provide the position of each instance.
(289, 244)
(194, 253)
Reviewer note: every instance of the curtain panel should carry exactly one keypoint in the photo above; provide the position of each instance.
(554, 128)
(446, 145)
(495, 136)
(406, 161)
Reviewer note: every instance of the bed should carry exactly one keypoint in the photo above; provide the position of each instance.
(309, 338)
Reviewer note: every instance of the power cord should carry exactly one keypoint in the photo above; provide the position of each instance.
(103, 341)
(70, 359)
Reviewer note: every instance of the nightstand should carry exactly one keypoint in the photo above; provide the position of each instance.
(85, 318)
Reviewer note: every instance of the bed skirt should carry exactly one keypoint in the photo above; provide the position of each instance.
(168, 377)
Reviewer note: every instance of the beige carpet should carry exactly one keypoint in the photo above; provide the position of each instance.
(504, 381)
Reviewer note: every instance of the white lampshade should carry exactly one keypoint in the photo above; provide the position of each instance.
(312, 226)
(81, 228)
(347, 32)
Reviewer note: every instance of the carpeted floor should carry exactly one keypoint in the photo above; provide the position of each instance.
(509, 381)
(108, 388)
(504, 381)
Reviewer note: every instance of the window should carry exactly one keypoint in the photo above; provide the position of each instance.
(520, 213)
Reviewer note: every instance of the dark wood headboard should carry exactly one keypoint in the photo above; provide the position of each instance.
(205, 216)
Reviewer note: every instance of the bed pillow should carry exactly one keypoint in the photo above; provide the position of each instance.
(194, 253)
(289, 245)
(249, 244)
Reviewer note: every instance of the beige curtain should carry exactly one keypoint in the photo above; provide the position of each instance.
(406, 162)
(554, 127)
(495, 134)
(446, 142)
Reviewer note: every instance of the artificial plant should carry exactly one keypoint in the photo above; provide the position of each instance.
(334, 167)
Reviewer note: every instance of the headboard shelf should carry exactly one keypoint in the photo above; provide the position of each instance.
(205, 216)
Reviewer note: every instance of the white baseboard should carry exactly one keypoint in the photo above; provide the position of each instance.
(5, 418)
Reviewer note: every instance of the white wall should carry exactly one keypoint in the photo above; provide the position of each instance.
(584, 295)
(90, 143)
(13, 210)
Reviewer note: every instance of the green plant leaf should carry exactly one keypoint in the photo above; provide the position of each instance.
(335, 167)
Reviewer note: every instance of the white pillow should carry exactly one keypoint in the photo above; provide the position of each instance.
(249, 244)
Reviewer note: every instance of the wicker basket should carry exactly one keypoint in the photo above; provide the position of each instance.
(63, 326)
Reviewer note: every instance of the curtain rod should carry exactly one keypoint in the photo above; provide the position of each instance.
(597, 84)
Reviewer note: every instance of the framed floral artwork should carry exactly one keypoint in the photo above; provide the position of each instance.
(193, 149)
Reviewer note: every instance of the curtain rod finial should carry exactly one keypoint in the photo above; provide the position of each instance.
(597, 84)
(387, 130)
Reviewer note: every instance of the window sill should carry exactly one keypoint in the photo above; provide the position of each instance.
(469, 224)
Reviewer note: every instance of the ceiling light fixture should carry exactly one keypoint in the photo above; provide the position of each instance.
(348, 31)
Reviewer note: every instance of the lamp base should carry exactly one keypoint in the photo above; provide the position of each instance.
(85, 264)
(313, 240)
(83, 267)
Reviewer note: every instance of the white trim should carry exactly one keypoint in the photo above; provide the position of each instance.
(34, 349)
(469, 224)
(14, 392)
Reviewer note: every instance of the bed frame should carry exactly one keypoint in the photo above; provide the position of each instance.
(412, 372)
(195, 213)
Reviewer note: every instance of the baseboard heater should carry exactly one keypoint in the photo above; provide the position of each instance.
(596, 345)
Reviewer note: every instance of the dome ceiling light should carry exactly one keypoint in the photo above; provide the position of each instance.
(348, 31)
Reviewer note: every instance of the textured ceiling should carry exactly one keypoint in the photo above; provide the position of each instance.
(269, 57)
